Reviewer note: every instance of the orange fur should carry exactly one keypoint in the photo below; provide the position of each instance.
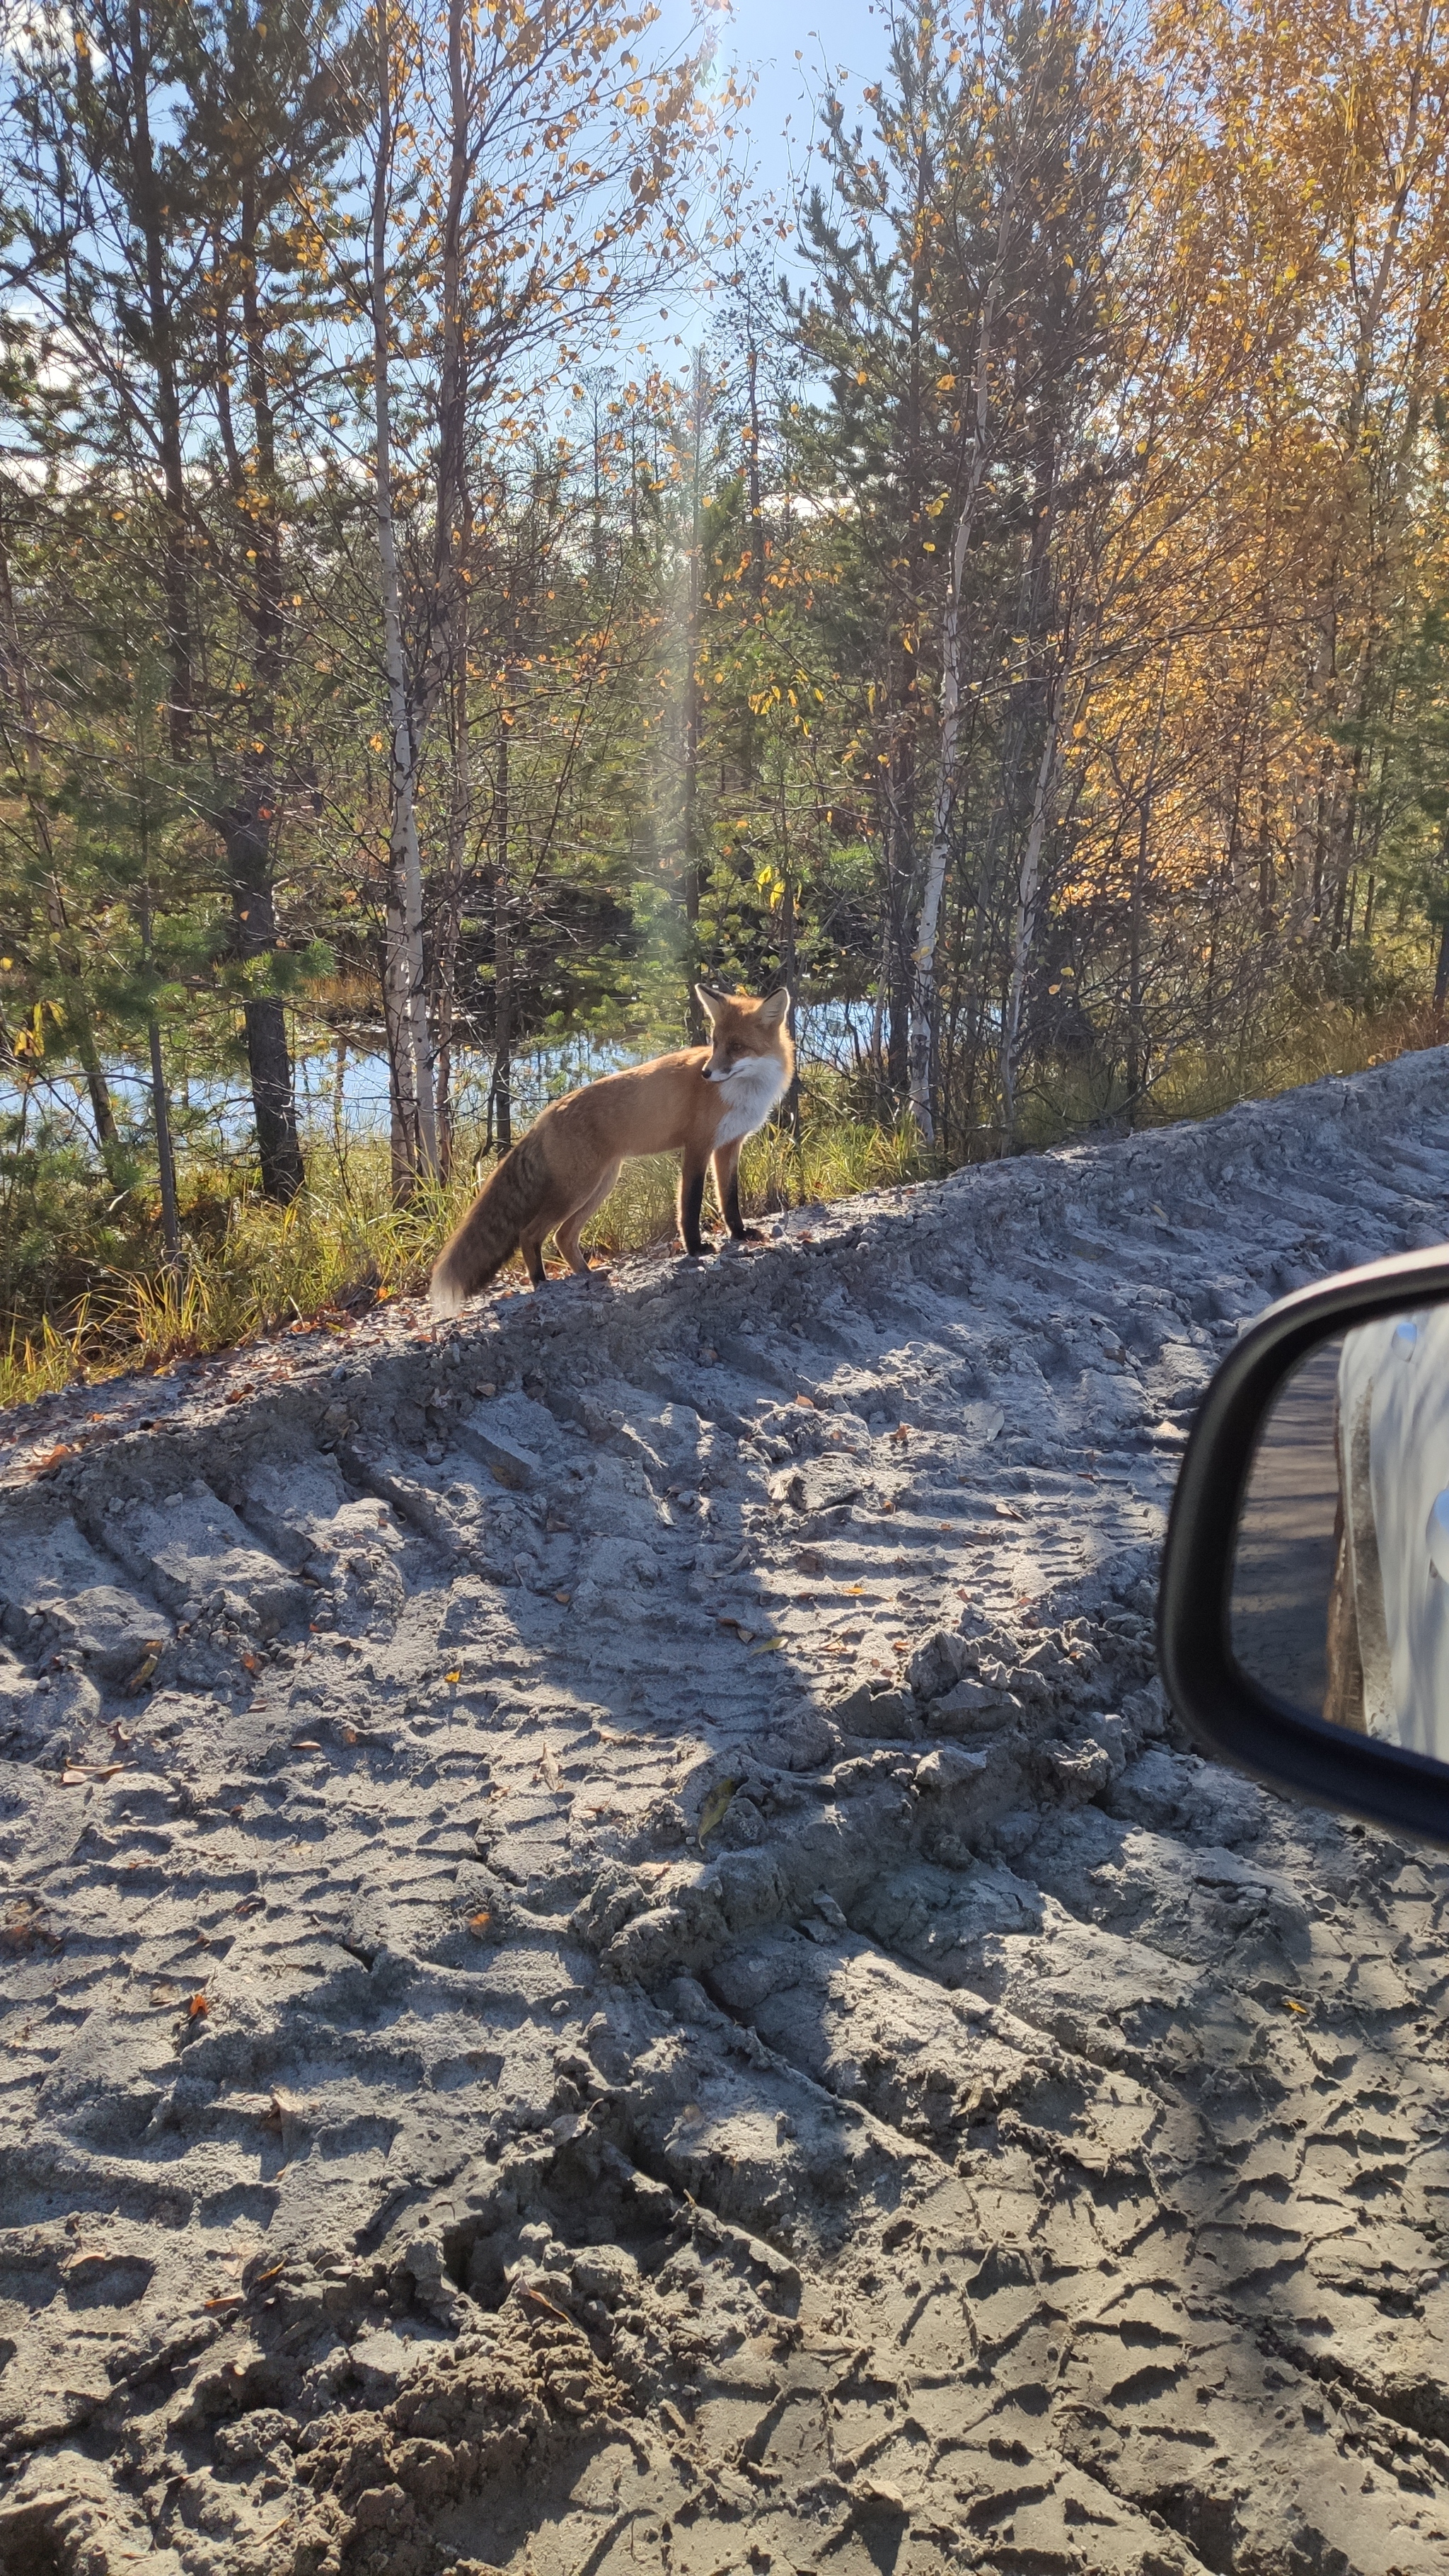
(701, 1103)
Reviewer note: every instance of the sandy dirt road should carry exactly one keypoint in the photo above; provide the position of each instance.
(610, 1961)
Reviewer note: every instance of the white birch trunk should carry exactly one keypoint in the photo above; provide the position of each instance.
(415, 1152)
(1028, 882)
(928, 922)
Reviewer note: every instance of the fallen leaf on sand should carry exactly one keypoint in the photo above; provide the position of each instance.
(306, 1744)
(852, 1588)
(197, 2007)
(231, 2299)
(84, 2254)
(540, 2301)
(480, 1921)
(24, 1925)
(145, 1669)
(454, 1676)
(564, 1597)
(1290, 2005)
(52, 1458)
(716, 1806)
(548, 1765)
(767, 1645)
(1006, 1511)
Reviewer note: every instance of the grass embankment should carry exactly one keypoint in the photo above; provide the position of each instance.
(250, 1267)
(108, 1303)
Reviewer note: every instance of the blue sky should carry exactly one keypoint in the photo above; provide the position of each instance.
(847, 35)
(793, 48)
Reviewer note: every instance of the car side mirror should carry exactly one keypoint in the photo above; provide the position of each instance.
(1303, 1616)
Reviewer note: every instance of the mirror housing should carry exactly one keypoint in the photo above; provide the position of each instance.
(1225, 1711)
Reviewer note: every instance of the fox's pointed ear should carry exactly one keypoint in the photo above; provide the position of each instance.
(709, 1002)
(773, 1008)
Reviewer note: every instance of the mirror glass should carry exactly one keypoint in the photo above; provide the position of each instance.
(1340, 1601)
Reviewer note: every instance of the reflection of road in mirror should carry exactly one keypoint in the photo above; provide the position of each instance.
(1284, 1568)
(1388, 1636)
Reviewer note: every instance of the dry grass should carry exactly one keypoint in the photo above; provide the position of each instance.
(250, 1267)
(1332, 1040)
(342, 1244)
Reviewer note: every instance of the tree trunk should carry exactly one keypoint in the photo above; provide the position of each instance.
(900, 876)
(752, 474)
(76, 1001)
(789, 960)
(1136, 1043)
(923, 961)
(502, 1085)
(453, 570)
(165, 1159)
(1024, 921)
(160, 1104)
(249, 826)
(923, 979)
(246, 827)
(151, 217)
(450, 922)
(405, 1000)
(693, 729)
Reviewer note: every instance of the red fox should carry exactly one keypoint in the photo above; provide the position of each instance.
(705, 1099)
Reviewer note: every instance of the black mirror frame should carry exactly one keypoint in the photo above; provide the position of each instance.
(1224, 1711)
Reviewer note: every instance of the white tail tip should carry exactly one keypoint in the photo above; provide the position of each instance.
(445, 1297)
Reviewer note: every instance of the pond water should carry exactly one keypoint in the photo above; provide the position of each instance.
(342, 1088)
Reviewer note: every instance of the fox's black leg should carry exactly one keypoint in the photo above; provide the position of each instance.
(532, 1251)
(691, 1200)
(727, 1190)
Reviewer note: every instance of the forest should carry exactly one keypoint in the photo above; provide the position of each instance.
(471, 565)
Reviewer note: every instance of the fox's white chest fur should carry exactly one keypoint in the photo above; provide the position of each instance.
(749, 1096)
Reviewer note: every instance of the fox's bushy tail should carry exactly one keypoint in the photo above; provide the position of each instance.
(491, 1229)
